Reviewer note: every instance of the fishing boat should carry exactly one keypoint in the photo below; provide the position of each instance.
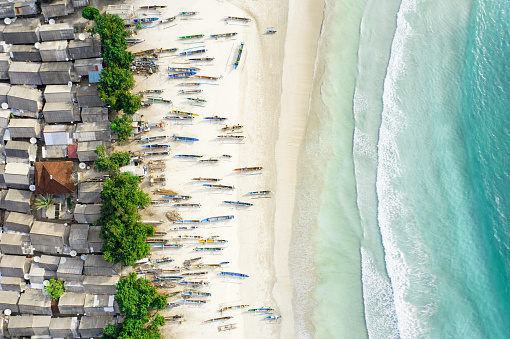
(154, 138)
(208, 249)
(184, 228)
(223, 35)
(197, 100)
(157, 153)
(188, 261)
(183, 69)
(231, 128)
(193, 301)
(259, 193)
(210, 241)
(215, 117)
(209, 160)
(186, 236)
(196, 51)
(233, 274)
(188, 156)
(270, 31)
(188, 13)
(238, 203)
(261, 309)
(227, 327)
(238, 18)
(226, 308)
(273, 317)
(134, 40)
(156, 241)
(196, 293)
(160, 261)
(172, 305)
(173, 117)
(159, 234)
(169, 278)
(167, 20)
(202, 59)
(228, 187)
(205, 179)
(159, 99)
(160, 202)
(239, 53)
(158, 91)
(187, 205)
(194, 283)
(183, 113)
(220, 218)
(230, 136)
(195, 273)
(190, 83)
(181, 75)
(218, 319)
(207, 77)
(152, 7)
(168, 245)
(178, 138)
(174, 318)
(145, 104)
(196, 36)
(226, 156)
(152, 146)
(190, 91)
(177, 196)
(243, 169)
(144, 20)
(189, 221)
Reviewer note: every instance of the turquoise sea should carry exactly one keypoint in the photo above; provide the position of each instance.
(402, 215)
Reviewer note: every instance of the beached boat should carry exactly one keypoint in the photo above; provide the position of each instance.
(227, 327)
(196, 51)
(186, 236)
(195, 273)
(175, 318)
(187, 205)
(157, 241)
(159, 99)
(220, 218)
(183, 113)
(259, 193)
(188, 156)
(231, 128)
(209, 160)
(273, 317)
(211, 241)
(183, 69)
(233, 274)
(215, 117)
(196, 36)
(243, 169)
(158, 91)
(184, 228)
(160, 202)
(188, 221)
(169, 278)
(228, 187)
(193, 301)
(178, 138)
(262, 309)
(159, 234)
(238, 203)
(133, 41)
(239, 53)
(223, 35)
(154, 146)
(230, 136)
(202, 59)
(173, 117)
(206, 179)
(238, 18)
(207, 77)
(197, 100)
(144, 20)
(172, 305)
(177, 196)
(152, 7)
(160, 261)
(144, 104)
(154, 138)
(168, 245)
(226, 308)
(270, 31)
(218, 319)
(226, 156)
(195, 294)
(181, 75)
(190, 83)
(190, 91)
(188, 13)
(188, 261)
(157, 153)
(208, 249)
(167, 20)
(194, 283)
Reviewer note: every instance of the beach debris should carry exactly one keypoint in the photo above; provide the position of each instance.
(227, 327)
(173, 215)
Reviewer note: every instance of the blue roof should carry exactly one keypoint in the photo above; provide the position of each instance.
(94, 77)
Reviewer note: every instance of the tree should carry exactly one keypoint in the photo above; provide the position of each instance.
(44, 201)
(130, 103)
(114, 83)
(90, 13)
(110, 163)
(55, 288)
(122, 126)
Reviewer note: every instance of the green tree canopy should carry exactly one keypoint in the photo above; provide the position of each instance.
(55, 288)
(110, 163)
(122, 126)
(130, 103)
(90, 13)
(114, 83)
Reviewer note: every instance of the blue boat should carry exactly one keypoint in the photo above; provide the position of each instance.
(144, 20)
(177, 196)
(196, 221)
(155, 146)
(188, 156)
(270, 31)
(172, 305)
(169, 278)
(182, 69)
(239, 203)
(177, 138)
(220, 218)
(196, 51)
(181, 75)
(233, 274)
(208, 249)
(217, 118)
(273, 317)
(239, 53)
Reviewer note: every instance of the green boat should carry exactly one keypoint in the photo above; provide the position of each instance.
(196, 36)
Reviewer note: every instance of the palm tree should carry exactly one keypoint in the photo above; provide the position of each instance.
(44, 201)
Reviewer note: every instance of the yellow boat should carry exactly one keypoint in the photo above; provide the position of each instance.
(184, 113)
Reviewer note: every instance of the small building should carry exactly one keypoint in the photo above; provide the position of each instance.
(48, 237)
(25, 128)
(125, 12)
(72, 303)
(35, 301)
(58, 31)
(94, 114)
(18, 222)
(89, 192)
(95, 264)
(4, 89)
(25, 73)
(25, 98)
(74, 286)
(87, 150)
(17, 200)
(16, 284)
(5, 116)
(55, 8)
(58, 134)
(54, 152)
(54, 177)
(10, 9)
(55, 73)
(58, 93)
(78, 237)
(14, 243)
(54, 51)
(14, 266)
(55, 112)
(38, 273)
(23, 31)
(100, 304)
(9, 301)
(70, 269)
(80, 3)
(20, 149)
(27, 325)
(17, 175)
(93, 131)
(84, 49)
(92, 327)
(25, 53)
(84, 66)
(87, 214)
(94, 239)
(50, 262)
(98, 284)
(64, 327)
(5, 64)
(88, 96)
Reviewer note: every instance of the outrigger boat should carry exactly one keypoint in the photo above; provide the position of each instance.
(188, 261)
(172, 305)
(215, 117)
(223, 35)
(209, 241)
(154, 138)
(183, 69)
(183, 113)
(178, 138)
(157, 153)
(193, 301)
(159, 234)
(184, 228)
(237, 18)
(197, 100)
(218, 319)
(134, 40)
(177, 196)
(188, 156)
(233, 274)
(163, 191)
(262, 309)
(228, 187)
(158, 99)
(196, 36)
(270, 31)
(209, 160)
(188, 13)
(187, 205)
(158, 91)
(223, 309)
(195, 293)
(173, 117)
(156, 241)
(273, 317)
(231, 128)
(239, 53)
(226, 156)
(207, 77)
(189, 221)
(220, 218)
(239, 203)
(202, 59)
(190, 91)
(208, 249)
(169, 278)
(152, 7)
(259, 193)
(174, 318)
(160, 261)
(243, 169)
(206, 265)
(194, 283)
(190, 83)
(144, 20)
(195, 273)
(196, 51)
(230, 136)
(160, 202)
(168, 245)
(205, 179)
(227, 327)
(188, 236)
(181, 75)
(155, 146)
(167, 20)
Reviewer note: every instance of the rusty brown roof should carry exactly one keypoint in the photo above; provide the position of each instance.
(53, 177)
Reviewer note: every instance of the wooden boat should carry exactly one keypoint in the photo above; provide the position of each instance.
(183, 113)
(202, 59)
(157, 165)
(190, 91)
(227, 327)
(208, 249)
(223, 35)
(206, 265)
(160, 261)
(261, 309)
(145, 104)
(157, 153)
(189, 221)
(163, 191)
(239, 53)
(172, 305)
(167, 20)
(188, 261)
(226, 156)
(207, 77)
(169, 278)
(175, 318)
(270, 31)
(194, 283)
(273, 317)
(190, 83)
(196, 51)
(187, 205)
(260, 193)
(149, 240)
(177, 196)
(160, 202)
(154, 138)
(168, 245)
(195, 273)
(215, 117)
(205, 179)
(133, 41)
(158, 91)
(228, 187)
(192, 293)
(193, 301)
(196, 36)
(210, 241)
(152, 7)
(231, 128)
(220, 218)
(188, 156)
(154, 146)
(238, 203)
(181, 75)
(159, 234)
(188, 13)
(238, 18)
(197, 100)
(226, 308)
(173, 117)
(230, 136)
(186, 236)
(233, 274)
(159, 99)
(209, 160)
(218, 319)
(183, 228)
(178, 138)
(144, 20)
(183, 69)
(256, 168)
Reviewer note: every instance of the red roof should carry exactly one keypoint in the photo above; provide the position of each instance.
(53, 177)
(72, 151)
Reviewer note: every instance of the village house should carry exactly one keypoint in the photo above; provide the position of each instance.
(16, 200)
(14, 266)
(86, 150)
(9, 301)
(18, 222)
(54, 177)
(17, 175)
(24, 73)
(58, 93)
(89, 192)
(21, 149)
(48, 237)
(25, 98)
(29, 325)
(22, 32)
(54, 51)
(35, 301)
(64, 327)
(87, 213)
(57, 31)
(55, 73)
(55, 112)
(25, 128)
(24, 53)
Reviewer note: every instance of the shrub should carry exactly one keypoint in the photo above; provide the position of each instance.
(56, 288)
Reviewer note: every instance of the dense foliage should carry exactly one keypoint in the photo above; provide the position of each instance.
(122, 231)
(110, 163)
(122, 126)
(90, 13)
(55, 288)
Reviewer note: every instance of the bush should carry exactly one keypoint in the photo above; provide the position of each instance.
(90, 13)
(110, 163)
(56, 288)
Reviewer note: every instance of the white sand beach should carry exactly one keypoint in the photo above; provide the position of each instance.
(269, 94)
